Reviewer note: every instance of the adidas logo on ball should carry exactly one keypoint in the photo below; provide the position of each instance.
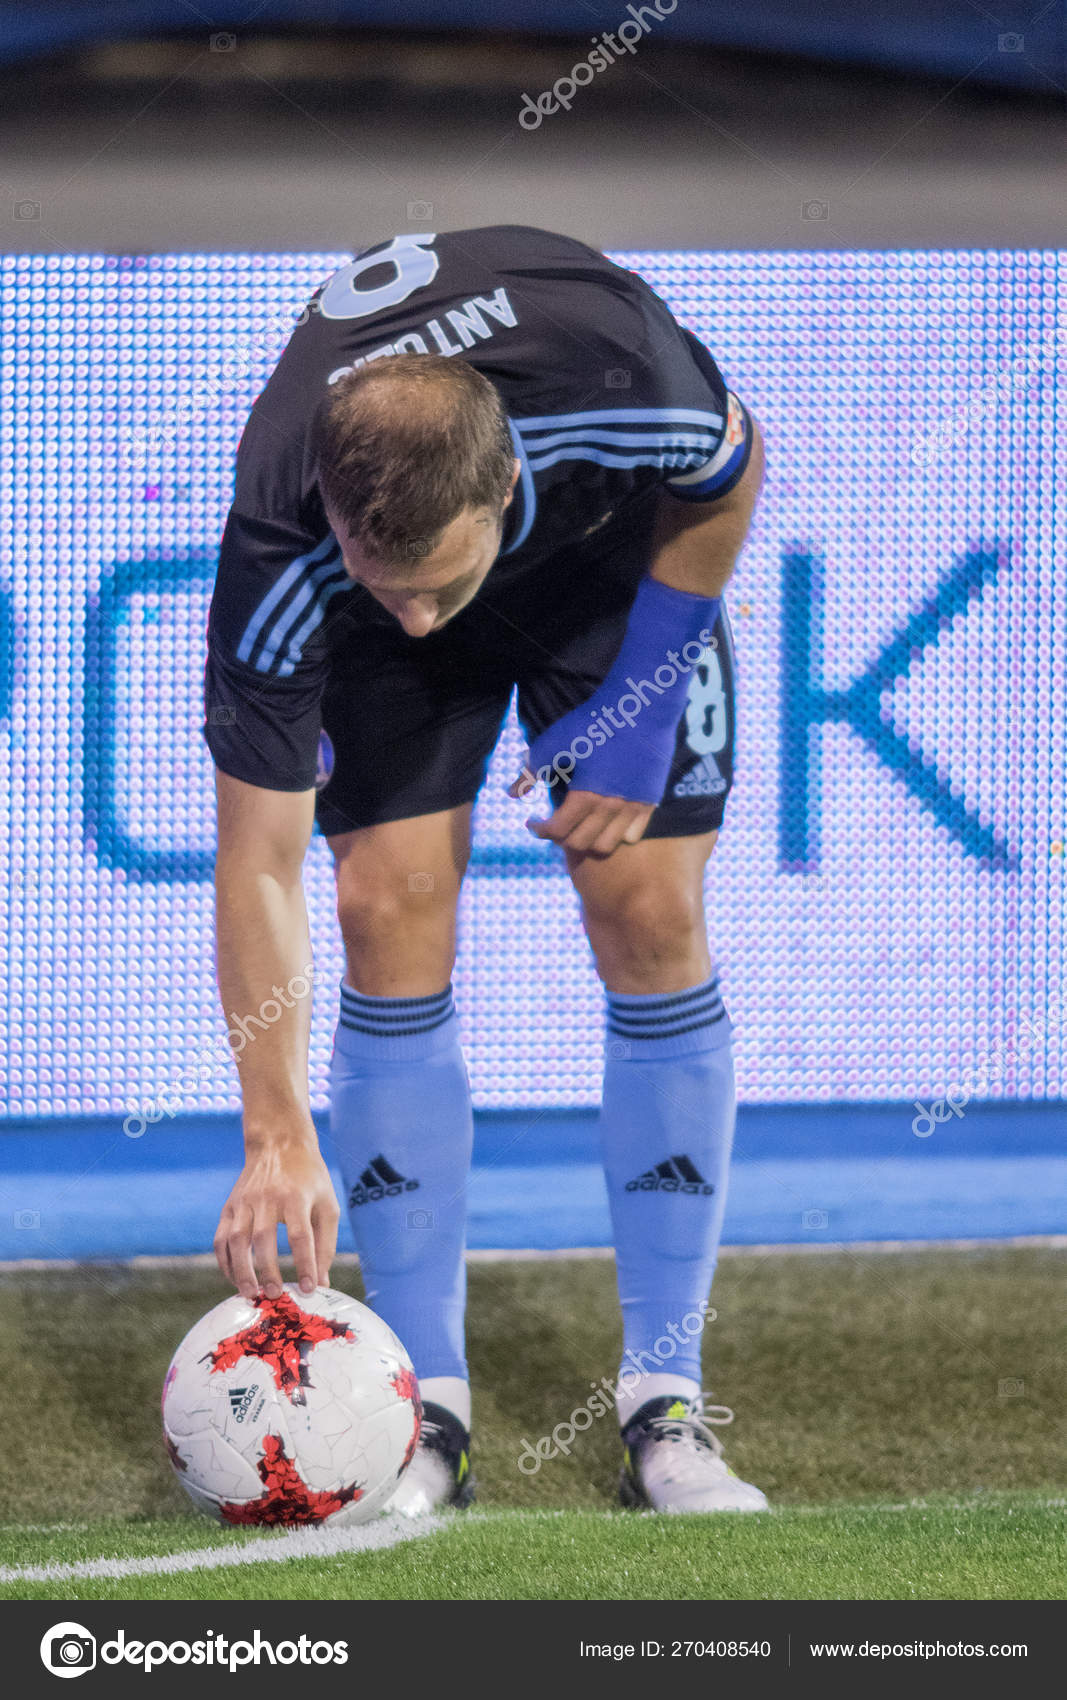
(241, 1401)
(677, 1174)
(379, 1180)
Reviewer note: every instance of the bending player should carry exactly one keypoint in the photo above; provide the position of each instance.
(486, 459)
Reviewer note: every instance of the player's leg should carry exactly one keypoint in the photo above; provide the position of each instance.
(668, 1106)
(668, 1102)
(400, 1113)
(667, 1128)
(412, 725)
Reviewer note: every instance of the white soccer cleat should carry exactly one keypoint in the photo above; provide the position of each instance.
(674, 1461)
(439, 1473)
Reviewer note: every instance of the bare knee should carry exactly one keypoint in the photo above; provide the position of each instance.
(399, 932)
(650, 937)
(397, 889)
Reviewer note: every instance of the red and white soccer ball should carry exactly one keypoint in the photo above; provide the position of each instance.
(297, 1410)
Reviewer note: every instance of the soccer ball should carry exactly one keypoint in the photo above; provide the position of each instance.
(301, 1409)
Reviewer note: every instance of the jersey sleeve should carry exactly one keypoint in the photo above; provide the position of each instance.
(267, 654)
(723, 468)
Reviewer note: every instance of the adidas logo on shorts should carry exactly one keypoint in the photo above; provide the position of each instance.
(703, 780)
(379, 1180)
(677, 1174)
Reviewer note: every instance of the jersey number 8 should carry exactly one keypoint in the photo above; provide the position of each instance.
(415, 266)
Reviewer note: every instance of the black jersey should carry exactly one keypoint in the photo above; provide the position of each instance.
(606, 395)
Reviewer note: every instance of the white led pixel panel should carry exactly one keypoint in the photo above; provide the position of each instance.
(887, 900)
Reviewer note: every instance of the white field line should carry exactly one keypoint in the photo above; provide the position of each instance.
(393, 1531)
(349, 1260)
(269, 1549)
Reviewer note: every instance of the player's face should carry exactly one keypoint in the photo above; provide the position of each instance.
(427, 594)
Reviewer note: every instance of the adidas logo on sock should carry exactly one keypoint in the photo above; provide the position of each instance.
(703, 780)
(677, 1174)
(379, 1180)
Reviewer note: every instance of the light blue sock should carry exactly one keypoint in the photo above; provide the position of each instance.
(401, 1126)
(666, 1133)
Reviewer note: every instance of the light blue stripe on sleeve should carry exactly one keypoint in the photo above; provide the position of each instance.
(527, 492)
(706, 441)
(602, 458)
(326, 593)
(289, 578)
(623, 416)
(307, 592)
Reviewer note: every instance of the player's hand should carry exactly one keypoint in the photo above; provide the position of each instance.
(288, 1182)
(587, 823)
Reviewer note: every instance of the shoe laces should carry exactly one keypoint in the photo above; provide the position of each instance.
(432, 1435)
(695, 1426)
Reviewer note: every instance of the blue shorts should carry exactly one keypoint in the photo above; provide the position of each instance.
(413, 721)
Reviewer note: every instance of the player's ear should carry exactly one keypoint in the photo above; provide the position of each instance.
(516, 469)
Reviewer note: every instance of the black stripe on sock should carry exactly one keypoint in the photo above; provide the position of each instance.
(687, 1169)
(388, 1023)
(385, 1171)
(358, 1003)
(395, 1032)
(673, 1033)
(651, 1024)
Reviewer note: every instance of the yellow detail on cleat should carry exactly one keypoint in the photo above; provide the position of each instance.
(464, 1466)
(627, 1460)
(679, 1409)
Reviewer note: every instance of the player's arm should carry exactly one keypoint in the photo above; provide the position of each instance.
(265, 674)
(696, 543)
(263, 963)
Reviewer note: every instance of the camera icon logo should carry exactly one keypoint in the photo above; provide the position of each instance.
(617, 378)
(68, 1649)
(225, 715)
(28, 210)
(420, 209)
(815, 209)
(422, 1218)
(420, 882)
(27, 1218)
(814, 1220)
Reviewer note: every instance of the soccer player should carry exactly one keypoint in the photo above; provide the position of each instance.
(486, 459)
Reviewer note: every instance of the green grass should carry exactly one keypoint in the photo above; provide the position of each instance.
(996, 1551)
(859, 1382)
